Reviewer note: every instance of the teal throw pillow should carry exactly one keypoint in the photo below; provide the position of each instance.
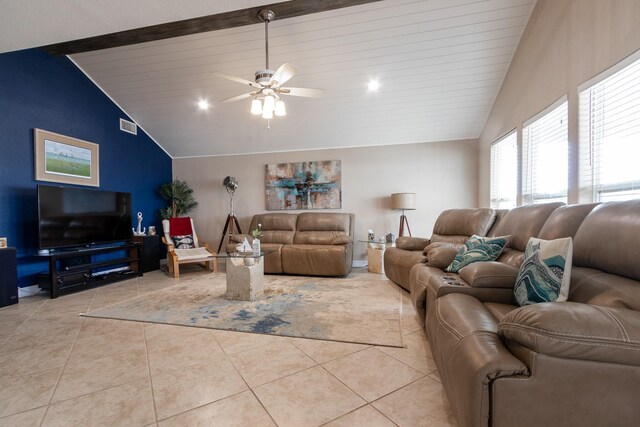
(545, 273)
(478, 249)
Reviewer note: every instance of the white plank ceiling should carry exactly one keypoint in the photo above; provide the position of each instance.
(440, 64)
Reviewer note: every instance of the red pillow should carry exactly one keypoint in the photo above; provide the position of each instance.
(180, 226)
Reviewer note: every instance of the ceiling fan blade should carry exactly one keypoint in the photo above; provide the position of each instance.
(239, 97)
(238, 80)
(301, 91)
(284, 73)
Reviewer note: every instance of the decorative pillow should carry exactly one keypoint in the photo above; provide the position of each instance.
(478, 249)
(545, 272)
(184, 242)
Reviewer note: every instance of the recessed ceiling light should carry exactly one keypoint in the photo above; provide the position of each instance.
(373, 85)
(203, 104)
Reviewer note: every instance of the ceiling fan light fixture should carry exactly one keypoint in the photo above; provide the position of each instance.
(280, 109)
(267, 114)
(269, 103)
(256, 107)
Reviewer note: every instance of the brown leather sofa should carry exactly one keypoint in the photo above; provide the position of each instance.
(452, 226)
(314, 244)
(575, 363)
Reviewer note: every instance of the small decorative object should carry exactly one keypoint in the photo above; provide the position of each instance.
(370, 236)
(381, 244)
(3, 242)
(390, 238)
(64, 159)
(244, 247)
(140, 231)
(152, 230)
(256, 239)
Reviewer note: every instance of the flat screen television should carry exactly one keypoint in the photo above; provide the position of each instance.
(69, 217)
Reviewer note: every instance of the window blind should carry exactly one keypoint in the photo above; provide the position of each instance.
(545, 152)
(610, 134)
(504, 172)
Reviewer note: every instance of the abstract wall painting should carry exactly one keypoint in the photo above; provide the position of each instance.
(63, 159)
(305, 185)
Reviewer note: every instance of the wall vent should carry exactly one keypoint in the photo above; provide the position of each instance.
(127, 126)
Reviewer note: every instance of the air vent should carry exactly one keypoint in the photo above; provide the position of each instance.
(127, 126)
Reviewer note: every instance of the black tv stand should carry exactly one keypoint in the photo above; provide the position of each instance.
(86, 271)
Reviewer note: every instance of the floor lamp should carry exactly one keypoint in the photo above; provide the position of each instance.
(403, 202)
(231, 184)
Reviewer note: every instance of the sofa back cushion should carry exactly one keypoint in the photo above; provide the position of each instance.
(591, 286)
(609, 239)
(525, 222)
(500, 213)
(276, 227)
(321, 228)
(457, 225)
(565, 221)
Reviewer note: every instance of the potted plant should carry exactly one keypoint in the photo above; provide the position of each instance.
(180, 196)
(256, 233)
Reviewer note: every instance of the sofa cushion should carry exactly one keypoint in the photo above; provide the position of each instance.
(545, 274)
(411, 243)
(478, 249)
(525, 222)
(576, 331)
(273, 259)
(441, 254)
(491, 274)
(609, 239)
(454, 224)
(276, 227)
(321, 229)
(591, 286)
(565, 221)
(314, 260)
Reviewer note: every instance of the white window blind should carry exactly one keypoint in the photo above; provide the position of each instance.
(504, 172)
(545, 151)
(610, 134)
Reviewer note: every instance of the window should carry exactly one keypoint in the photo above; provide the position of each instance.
(504, 172)
(610, 134)
(545, 151)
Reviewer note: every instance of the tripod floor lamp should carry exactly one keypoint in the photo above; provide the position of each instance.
(403, 202)
(231, 184)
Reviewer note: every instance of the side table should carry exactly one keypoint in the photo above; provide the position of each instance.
(375, 255)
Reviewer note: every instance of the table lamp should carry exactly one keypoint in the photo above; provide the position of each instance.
(403, 202)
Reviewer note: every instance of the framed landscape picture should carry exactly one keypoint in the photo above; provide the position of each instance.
(66, 160)
(304, 185)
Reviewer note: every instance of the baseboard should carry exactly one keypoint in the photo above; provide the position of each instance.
(359, 263)
(28, 291)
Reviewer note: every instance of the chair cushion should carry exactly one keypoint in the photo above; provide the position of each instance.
(478, 249)
(180, 226)
(545, 274)
(192, 254)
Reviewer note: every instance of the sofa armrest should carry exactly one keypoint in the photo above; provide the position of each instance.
(239, 238)
(342, 240)
(490, 274)
(576, 331)
(411, 243)
(441, 255)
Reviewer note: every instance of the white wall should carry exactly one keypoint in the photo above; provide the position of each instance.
(566, 43)
(442, 174)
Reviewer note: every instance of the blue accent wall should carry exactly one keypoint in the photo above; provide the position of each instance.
(41, 91)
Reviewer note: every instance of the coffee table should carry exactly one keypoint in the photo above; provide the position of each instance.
(245, 275)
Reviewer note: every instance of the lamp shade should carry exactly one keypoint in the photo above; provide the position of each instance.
(406, 201)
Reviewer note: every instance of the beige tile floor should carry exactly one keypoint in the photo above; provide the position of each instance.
(59, 369)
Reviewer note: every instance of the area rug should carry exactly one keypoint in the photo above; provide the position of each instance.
(347, 309)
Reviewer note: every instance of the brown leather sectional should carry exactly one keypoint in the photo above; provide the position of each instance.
(574, 363)
(314, 244)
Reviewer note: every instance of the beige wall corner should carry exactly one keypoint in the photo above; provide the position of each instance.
(442, 174)
(565, 43)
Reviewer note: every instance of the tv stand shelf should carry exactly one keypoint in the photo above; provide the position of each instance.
(88, 273)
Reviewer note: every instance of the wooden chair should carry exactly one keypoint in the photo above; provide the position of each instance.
(200, 253)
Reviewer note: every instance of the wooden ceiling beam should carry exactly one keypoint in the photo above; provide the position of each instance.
(220, 21)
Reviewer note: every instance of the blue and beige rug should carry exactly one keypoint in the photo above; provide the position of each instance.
(351, 309)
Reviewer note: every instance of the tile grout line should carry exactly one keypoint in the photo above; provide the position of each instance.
(146, 352)
(75, 340)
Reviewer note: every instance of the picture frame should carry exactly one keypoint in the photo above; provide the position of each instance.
(66, 160)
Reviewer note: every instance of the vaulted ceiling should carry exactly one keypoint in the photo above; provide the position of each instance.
(439, 63)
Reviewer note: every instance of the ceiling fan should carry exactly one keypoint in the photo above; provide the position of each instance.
(268, 83)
